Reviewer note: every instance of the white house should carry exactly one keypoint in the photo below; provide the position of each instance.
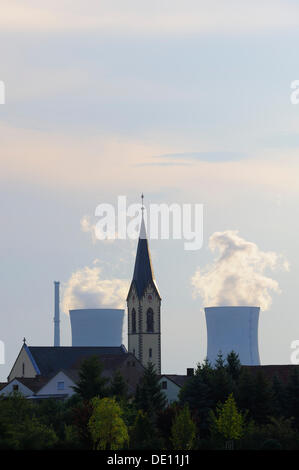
(171, 384)
(59, 386)
(23, 385)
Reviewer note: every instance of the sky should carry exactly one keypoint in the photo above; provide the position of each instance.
(185, 101)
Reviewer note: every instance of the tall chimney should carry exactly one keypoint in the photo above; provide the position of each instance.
(56, 315)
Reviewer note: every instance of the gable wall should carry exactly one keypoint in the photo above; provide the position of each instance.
(172, 390)
(51, 387)
(17, 370)
(22, 389)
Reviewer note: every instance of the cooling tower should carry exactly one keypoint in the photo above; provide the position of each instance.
(233, 328)
(97, 327)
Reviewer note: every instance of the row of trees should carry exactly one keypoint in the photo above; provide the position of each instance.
(224, 406)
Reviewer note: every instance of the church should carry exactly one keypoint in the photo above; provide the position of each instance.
(51, 371)
(144, 308)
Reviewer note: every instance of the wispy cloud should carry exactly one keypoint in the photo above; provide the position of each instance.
(76, 160)
(157, 163)
(143, 17)
(212, 156)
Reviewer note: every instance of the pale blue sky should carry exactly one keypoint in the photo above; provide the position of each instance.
(112, 98)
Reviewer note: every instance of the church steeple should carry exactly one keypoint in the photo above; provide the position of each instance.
(143, 270)
(144, 301)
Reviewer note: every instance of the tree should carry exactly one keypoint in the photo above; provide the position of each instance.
(165, 420)
(183, 430)
(30, 434)
(221, 384)
(277, 433)
(218, 380)
(107, 428)
(197, 395)
(254, 393)
(205, 370)
(219, 363)
(91, 383)
(143, 434)
(279, 398)
(149, 396)
(81, 414)
(118, 387)
(281, 430)
(263, 396)
(293, 397)
(228, 421)
(233, 366)
(54, 414)
(20, 428)
(245, 391)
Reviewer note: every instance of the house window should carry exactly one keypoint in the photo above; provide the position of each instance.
(133, 320)
(134, 352)
(150, 321)
(60, 385)
(150, 352)
(15, 388)
(164, 385)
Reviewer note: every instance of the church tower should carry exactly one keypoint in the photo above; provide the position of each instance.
(144, 307)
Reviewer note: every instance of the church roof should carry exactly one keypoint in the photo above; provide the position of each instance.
(51, 359)
(143, 270)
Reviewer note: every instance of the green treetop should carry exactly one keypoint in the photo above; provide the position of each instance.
(228, 421)
(183, 430)
(107, 428)
(91, 383)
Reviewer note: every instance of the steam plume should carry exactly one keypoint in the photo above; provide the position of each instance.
(87, 289)
(236, 276)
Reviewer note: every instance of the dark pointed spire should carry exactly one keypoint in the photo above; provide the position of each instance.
(143, 271)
